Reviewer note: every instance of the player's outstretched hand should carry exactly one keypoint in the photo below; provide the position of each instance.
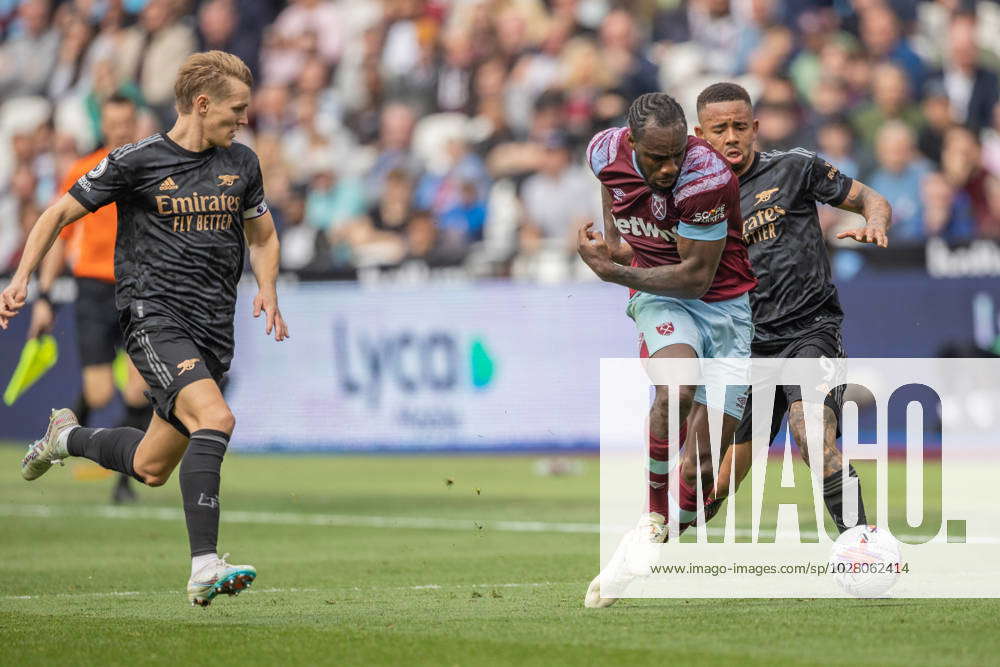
(267, 301)
(867, 234)
(11, 301)
(594, 250)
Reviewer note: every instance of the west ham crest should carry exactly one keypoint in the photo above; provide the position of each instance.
(659, 207)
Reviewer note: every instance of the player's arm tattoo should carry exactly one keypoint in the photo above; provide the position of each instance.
(621, 251)
(688, 280)
(867, 202)
(832, 457)
(876, 211)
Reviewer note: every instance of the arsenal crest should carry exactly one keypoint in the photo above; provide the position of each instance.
(659, 207)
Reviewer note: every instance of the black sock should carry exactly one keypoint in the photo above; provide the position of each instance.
(138, 416)
(200, 474)
(834, 497)
(112, 448)
(82, 411)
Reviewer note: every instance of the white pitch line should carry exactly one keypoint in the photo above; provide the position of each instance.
(252, 591)
(299, 519)
(365, 521)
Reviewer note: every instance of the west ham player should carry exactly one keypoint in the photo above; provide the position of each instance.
(89, 245)
(796, 311)
(672, 211)
(188, 202)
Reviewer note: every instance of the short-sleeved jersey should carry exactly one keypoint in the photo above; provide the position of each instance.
(781, 229)
(180, 246)
(91, 239)
(704, 204)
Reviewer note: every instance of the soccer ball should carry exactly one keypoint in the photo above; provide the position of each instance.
(865, 561)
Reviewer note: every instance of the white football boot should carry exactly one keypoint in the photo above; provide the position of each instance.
(620, 570)
(219, 577)
(50, 448)
(652, 528)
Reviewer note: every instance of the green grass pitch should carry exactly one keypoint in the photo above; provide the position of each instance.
(82, 584)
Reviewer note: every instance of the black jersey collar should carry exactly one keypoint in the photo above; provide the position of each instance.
(753, 167)
(183, 151)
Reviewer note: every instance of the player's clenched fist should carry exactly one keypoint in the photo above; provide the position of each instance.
(11, 301)
(594, 250)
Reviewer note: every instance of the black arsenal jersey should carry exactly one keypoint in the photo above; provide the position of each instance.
(778, 197)
(180, 245)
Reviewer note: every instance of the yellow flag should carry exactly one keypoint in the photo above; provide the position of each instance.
(37, 357)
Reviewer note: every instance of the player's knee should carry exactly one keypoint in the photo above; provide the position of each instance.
(685, 399)
(153, 474)
(218, 418)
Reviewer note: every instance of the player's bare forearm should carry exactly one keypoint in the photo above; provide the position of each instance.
(876, 211)
(675, 280)
(52, 266)
(265, 252)
(689, 279)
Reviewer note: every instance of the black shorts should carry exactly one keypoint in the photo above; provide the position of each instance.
(98, 333)
(825, 342)
(169, 360)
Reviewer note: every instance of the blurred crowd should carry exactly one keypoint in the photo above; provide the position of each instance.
(436, 134)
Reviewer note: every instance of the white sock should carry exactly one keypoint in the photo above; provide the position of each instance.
(198, 562)
(63, 439)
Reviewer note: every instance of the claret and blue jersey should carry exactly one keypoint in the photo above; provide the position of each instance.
(704, 204)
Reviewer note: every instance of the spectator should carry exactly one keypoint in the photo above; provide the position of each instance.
(235, 26)
(425, 244)
(890, 101)
(69, 68)
(395, 134)
(453, 87)
(972, 90)
(710, 26)
(380, 236)
(961, 162)
(441, 192)
(303, 247)
(619, 50)
(151, 53)
(991, 144)
(937, 115)
(343, 83)
(584, 78)
(882, 37)
(16, 204)
(829, 101)
(947, 212)
(557, 198)
(333, 203)
(835, 141)
(779, 115)
(30, 54)
(898, 177)
(303, 26)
